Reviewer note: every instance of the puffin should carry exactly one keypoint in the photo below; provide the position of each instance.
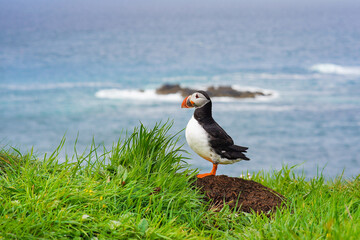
(206, 137)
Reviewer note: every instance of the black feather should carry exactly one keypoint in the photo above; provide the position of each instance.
(219, 140)
(232, 152)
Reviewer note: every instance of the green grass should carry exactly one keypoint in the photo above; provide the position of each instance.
(141, 189)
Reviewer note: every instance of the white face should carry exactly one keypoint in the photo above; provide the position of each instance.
(198, 99)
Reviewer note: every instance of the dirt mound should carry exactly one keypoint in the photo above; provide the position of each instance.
(245, 195)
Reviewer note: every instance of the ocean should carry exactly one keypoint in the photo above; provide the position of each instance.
(75, 68)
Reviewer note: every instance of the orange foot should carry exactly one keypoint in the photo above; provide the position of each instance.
(212, 173)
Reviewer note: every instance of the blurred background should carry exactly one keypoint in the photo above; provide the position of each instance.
(75, 67)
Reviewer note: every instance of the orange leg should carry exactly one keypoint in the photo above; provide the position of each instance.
(213, 172)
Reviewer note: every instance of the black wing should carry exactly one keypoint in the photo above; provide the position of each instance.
(218, 136)
(223, 144)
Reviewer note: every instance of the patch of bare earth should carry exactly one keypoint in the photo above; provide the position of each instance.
(244, 195)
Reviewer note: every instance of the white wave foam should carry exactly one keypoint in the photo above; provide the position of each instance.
(151, 95)
(269, 94)
(328, 68)
(130, 94)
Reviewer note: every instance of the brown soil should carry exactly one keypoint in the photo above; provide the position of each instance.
(244, 195)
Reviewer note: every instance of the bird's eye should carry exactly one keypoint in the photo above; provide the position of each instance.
(197, 96)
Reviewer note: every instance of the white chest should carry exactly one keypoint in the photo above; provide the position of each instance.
(197, 138)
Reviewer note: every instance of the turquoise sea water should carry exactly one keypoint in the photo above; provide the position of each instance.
(74, 68)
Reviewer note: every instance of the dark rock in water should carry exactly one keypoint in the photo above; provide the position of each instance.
(168, 89)
(227, 91)
(240, 194)
(221, 91)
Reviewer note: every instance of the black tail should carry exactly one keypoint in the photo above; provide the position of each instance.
(239, 148)
(234, 152)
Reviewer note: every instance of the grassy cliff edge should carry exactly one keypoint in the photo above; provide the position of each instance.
(141, 188)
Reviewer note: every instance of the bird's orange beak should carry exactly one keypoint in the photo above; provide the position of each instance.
(187, 103)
